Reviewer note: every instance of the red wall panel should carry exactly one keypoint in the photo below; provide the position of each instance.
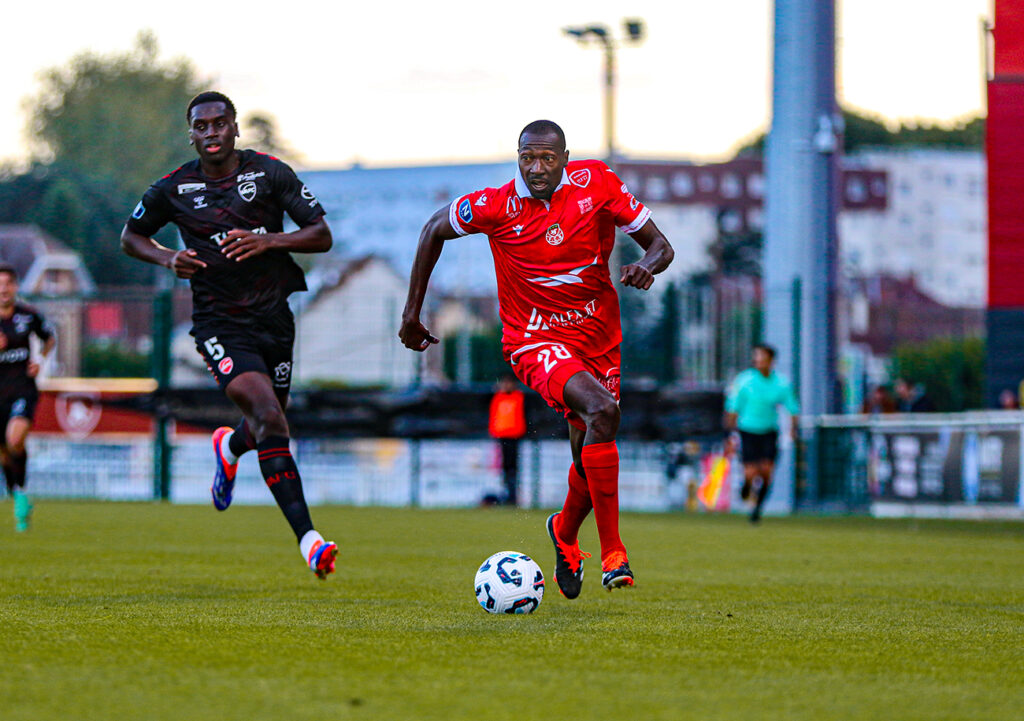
(1008, 34)
(1005, 150)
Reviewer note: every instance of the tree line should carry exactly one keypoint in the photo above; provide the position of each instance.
(101, 129)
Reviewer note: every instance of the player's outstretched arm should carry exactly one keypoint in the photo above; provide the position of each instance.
(414, 335)
(184, 263)
(242, 244)
(657, 257)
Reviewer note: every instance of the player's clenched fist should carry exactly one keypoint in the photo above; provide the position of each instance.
(415, 336)
(636, 276)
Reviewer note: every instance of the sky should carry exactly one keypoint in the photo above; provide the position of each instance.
(404, 83)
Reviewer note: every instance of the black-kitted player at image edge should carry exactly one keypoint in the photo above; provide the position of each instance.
(18, 392)
(229, 206)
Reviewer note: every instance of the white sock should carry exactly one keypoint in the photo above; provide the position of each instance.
(225, 449)
(306, 544)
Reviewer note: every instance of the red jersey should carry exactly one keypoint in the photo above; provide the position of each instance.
(551, 258)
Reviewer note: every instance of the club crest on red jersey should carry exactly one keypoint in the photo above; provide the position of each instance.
(554, 235)
(580, 177)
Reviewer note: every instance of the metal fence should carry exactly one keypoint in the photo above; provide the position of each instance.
(694, 333)
(360, 472)
(956, 464)
(719, 323)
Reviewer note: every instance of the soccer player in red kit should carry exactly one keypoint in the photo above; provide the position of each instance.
(551, 231)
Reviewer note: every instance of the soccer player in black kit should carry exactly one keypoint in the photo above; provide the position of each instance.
(229, 206)
(18, 393)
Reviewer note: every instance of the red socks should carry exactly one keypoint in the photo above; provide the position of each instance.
(601, 464)
(575, 509)
(600, 491)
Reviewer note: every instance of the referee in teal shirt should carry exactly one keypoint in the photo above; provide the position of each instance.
(752, 408)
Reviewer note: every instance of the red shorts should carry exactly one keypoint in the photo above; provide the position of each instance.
(545, 367)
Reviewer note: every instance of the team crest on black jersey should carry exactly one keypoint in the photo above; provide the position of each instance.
(21, 322)
(247, 190)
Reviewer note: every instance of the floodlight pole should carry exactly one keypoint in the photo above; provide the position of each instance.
(609, 100)
(634, 30)
(801, 199)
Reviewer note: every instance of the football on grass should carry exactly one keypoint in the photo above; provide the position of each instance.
(509, 582)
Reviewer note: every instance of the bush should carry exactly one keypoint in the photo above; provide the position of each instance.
(951, 370)
(110, 360)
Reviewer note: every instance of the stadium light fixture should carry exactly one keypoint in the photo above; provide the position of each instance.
(634, 33)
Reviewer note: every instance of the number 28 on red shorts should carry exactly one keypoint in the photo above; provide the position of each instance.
(546, 367)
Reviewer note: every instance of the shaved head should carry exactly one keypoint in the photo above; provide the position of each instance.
(543, 127)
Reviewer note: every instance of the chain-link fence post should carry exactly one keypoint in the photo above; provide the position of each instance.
(161, 368)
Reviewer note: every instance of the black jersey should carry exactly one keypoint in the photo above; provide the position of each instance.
(14, 348)
(254, 197)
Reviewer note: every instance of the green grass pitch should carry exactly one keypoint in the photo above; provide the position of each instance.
(152, 611)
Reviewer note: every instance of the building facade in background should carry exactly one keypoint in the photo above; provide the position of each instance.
(909, 218)
(906, 213)
(347, 326)
(933, 228)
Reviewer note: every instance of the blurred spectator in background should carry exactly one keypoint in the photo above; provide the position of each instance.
(507, 424)
(910, 397)
(879, 401)
(1008, 400)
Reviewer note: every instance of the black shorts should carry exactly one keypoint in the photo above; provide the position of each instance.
(758, 447)
(21, 404)
(232, 347)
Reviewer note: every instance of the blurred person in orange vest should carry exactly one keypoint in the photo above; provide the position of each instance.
(507, 423)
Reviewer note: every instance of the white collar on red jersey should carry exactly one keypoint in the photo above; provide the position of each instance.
(524, 192)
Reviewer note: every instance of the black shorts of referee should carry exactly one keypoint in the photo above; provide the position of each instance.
(759, 447)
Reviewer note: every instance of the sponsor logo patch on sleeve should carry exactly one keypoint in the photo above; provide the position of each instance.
(466, 211)
(140, 210)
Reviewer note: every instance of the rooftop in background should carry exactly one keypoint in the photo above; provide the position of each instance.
(887, 310)
(45, 266)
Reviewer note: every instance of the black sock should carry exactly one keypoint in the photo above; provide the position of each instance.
(241, 440)
(14, 470)
(762, 493)
(282, 477)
